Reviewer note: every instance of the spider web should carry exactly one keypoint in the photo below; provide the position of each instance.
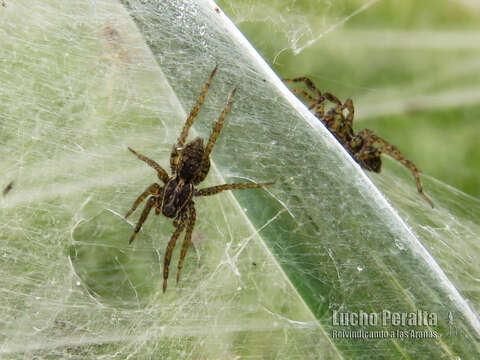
(81, 81)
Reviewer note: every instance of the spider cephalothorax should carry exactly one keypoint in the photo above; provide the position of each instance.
(189, 164)
(361, 146)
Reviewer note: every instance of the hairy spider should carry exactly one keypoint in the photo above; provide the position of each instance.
(190, 164)
(361, 145)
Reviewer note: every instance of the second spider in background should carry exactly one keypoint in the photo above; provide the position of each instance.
(361, 145)
(190, 164)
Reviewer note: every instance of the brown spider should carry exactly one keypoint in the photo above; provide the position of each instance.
(361, 145)
(190, 164)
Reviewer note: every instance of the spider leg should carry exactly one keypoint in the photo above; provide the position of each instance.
(168, 254)
(188, 236)
(218, 126)
(305, 95)
(162, 174)
(332, 98)
(216, 189)
(188, 124)
(320, 110)
(392, 151)
(351, 112)
(205, 167)
(320, 97)
(153, 189)
(316, 103)
(319, 106)
(309, 83)
(143, 217)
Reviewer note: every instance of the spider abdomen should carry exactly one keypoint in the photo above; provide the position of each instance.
(191, 159)
(372, 164)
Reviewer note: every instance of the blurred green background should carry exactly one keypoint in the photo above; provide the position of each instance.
(411, 67)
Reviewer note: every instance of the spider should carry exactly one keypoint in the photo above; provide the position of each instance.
(360, 146)
(189, 164)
